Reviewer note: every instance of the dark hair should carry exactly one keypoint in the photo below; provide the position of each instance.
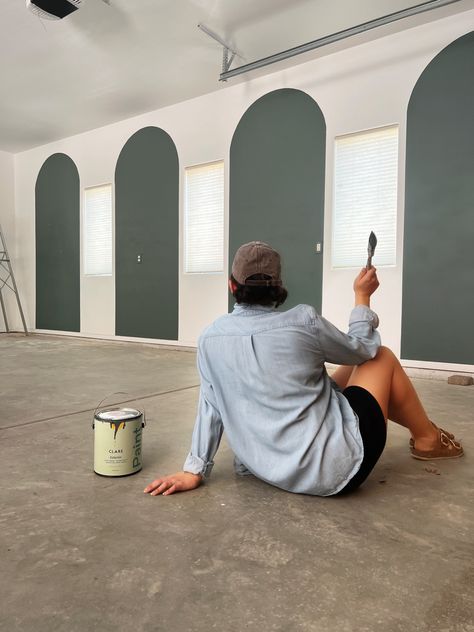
(259, 294)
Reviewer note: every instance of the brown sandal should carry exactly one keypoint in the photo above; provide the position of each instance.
(450, 435)
(447, 448)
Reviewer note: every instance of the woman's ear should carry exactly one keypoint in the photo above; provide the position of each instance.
(232, 286)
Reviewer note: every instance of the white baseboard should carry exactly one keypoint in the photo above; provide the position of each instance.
(174, 345)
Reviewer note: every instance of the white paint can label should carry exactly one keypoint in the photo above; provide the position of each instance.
(118, 442)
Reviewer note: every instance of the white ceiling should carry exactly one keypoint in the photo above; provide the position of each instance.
(106, 62)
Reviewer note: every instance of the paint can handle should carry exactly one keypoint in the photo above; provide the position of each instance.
(102, 401)
(107, 397)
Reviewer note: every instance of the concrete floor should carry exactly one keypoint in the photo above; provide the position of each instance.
(80, 552)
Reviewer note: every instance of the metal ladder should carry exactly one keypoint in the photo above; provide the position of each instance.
(7, 279)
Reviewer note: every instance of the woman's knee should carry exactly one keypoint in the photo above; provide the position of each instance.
(385, 354)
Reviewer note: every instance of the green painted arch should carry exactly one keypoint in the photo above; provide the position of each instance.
(147, 225)
(277, 170)
(438, 259)
(57, 235)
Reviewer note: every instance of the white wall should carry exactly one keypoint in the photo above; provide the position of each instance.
(7, 206)
(7, 222)
(359, 88)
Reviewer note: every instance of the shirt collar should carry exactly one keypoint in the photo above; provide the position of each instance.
(243, 309)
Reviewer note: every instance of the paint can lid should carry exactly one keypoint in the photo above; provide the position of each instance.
(118, 414)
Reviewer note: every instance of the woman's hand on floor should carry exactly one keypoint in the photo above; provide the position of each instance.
(179, 482)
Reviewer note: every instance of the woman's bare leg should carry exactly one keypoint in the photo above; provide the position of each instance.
(386, 380)
(341, 375)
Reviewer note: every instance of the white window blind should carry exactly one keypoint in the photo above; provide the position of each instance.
(98, 230)
(365, 197)
(204, 218)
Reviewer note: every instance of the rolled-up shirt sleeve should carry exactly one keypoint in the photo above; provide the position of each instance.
(361, 342)
(207, 431)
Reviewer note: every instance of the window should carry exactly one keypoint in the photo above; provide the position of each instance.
(98, 230)
(365, 197)
(204, 218)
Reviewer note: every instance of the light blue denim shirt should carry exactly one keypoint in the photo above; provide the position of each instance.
(263, 381)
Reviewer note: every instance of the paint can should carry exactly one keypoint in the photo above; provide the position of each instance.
(118, 441)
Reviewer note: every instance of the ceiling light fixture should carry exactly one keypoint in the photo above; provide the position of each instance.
(53, 9)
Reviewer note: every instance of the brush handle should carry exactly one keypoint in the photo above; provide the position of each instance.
(369, 262)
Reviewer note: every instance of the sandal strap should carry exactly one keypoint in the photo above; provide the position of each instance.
(446, 438)
(448, 434)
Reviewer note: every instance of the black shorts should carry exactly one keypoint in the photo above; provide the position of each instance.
(373, 430)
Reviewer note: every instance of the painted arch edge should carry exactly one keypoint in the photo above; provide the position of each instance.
(308, 98)
(424, 77)
(66, 160)
(446, 50)
(57, 155)
(262, 97)
(141, 131)
(172, 148)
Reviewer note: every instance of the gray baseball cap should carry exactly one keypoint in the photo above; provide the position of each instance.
(257, 257)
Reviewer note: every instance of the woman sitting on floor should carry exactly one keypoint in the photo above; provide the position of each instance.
(264, 381)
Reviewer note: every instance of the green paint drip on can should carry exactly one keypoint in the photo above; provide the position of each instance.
(118, 441)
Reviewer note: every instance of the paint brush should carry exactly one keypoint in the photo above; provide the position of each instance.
(371, 249)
